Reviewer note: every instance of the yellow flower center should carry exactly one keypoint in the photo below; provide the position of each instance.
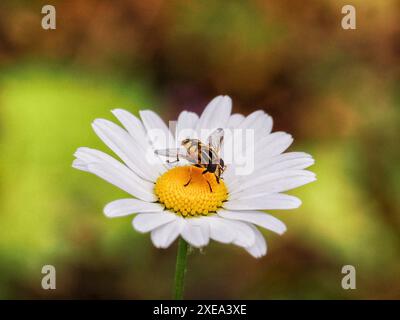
(195, 198)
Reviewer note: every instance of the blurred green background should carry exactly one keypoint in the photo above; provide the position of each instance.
(337, 91)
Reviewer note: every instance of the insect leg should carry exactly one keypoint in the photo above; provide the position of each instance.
(208, 182)
(209, 185)
(190, 178)
(177, 160)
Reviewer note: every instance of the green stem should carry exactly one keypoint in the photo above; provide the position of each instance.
(180, 268)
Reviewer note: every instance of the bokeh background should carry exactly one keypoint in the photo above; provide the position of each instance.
(337, 91)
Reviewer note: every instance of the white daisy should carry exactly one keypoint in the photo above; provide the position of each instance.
(167, 208)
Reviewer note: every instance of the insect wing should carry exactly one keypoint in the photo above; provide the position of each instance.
(215, 141)
(172, 153)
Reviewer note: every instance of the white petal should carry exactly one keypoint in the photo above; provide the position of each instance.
(261, 201)
(244, 235)
(157, 131)
(264, 124)
(79, 164)
(119, 141)
(230, 178)
(243, 140)
(145, 222)
(272, 144)
(138, 133)
(163, 236)
(196, 232)
(125, 182)
(215, 115)
(261, 219)
(284, 161)
(259, 248)
(114, 172)
(258, 120)
(235, 120)
(186, 126)
(133, 125)
(124, 207)
(277, 181)
(251, 119)
(294, 164)
(289, 165)
(220, 230)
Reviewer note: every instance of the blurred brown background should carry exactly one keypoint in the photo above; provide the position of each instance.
(335, 90)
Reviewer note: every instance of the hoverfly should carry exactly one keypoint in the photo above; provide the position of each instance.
(200, 155)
